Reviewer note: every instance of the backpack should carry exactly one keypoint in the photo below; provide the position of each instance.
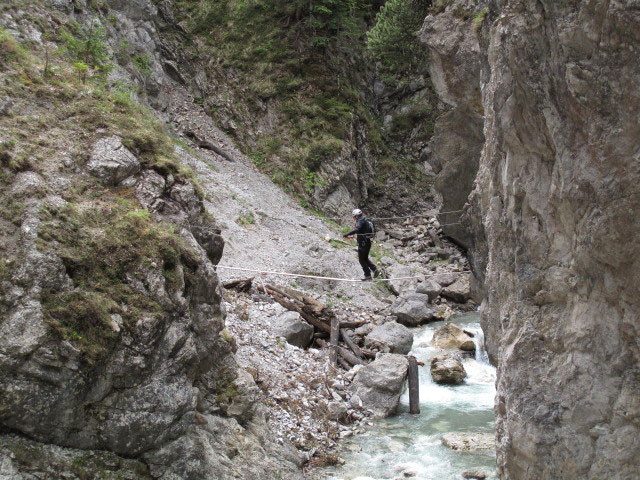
(371, 227)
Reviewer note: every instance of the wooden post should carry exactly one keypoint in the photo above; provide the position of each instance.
(335, 336)
(414, 389)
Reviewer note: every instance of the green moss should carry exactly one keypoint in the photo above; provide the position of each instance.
(229, 338)
(226, 389)
(103, 247)
(246, 219)
(11, 52)
(478, 19)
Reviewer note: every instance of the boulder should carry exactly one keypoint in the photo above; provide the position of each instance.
(291, 327)
(469, 442)
(450, 335)
(400, 287)
(474, 473)
(459, 291)
(412, 310)
(380, 383)
(446, 279)
(447, 369)
(396, 336)
(111, 162)
(429, 287)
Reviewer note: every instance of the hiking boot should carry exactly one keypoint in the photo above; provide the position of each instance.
(366, 278)
(377, 273)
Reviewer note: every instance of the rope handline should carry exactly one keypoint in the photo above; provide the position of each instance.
(398, 218)
(318, 277)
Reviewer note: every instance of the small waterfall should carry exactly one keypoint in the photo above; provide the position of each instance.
(481, 352)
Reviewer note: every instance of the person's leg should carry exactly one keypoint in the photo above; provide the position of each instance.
(370, 264)
(363, 258)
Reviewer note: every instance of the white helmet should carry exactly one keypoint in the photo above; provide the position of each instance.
(357, 212)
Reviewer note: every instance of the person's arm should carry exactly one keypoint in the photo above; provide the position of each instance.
(358, 229)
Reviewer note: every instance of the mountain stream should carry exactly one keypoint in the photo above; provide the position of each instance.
(409, 446)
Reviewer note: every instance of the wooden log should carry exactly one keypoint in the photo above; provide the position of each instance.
(290, 305)
(242, 285)
(335, 336)
(414, 386)
(368, 353)
(349, 357)
(343, 363)
(352, 324)
(350, 343)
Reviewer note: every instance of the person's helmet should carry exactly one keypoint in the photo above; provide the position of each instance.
(357, 212)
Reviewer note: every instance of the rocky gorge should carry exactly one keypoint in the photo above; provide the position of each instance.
(143, 149)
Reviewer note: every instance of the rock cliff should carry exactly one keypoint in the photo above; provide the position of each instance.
(553, 217)
(112, 341)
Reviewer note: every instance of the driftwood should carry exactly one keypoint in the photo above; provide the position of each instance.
(242, 285)
(335, 336)
(306, 311)
(352, 324)
(345, 354)
(207, 145)
(350, 343)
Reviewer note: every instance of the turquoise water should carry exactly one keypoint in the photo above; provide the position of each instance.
(410, 444)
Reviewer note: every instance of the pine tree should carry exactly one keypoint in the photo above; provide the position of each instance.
(392, 40)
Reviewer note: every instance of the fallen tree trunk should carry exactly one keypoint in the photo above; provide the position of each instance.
(349, 357)
(294, 306)
(242, 285)
(350, 343)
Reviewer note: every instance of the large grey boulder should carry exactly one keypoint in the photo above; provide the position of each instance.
(412, 310)
(111, 161)
(291, 327)
(446, 278)
(401, 287)
(397, 337)
(450, 335)
(447, 369)
(429, 287)
(459, 291)
(380, 383)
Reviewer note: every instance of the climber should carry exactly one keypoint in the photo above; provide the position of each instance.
(364, 232)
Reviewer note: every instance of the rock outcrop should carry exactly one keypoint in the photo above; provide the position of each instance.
(557, 246)
(454, 67)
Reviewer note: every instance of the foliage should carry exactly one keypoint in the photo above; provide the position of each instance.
(10, 50)
(86, 45)
(478, 19)
(392, 40)
(103, 249)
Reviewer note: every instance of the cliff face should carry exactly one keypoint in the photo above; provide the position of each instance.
(454, 67)
(111, 318)
(558, 192)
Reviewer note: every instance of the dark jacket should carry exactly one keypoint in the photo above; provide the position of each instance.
(362, 231)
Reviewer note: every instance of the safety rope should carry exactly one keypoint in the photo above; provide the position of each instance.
(335, 279)
(401, 217)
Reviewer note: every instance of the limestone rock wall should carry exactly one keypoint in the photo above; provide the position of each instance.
(455, 61)
(146, 373)
(558, 192)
